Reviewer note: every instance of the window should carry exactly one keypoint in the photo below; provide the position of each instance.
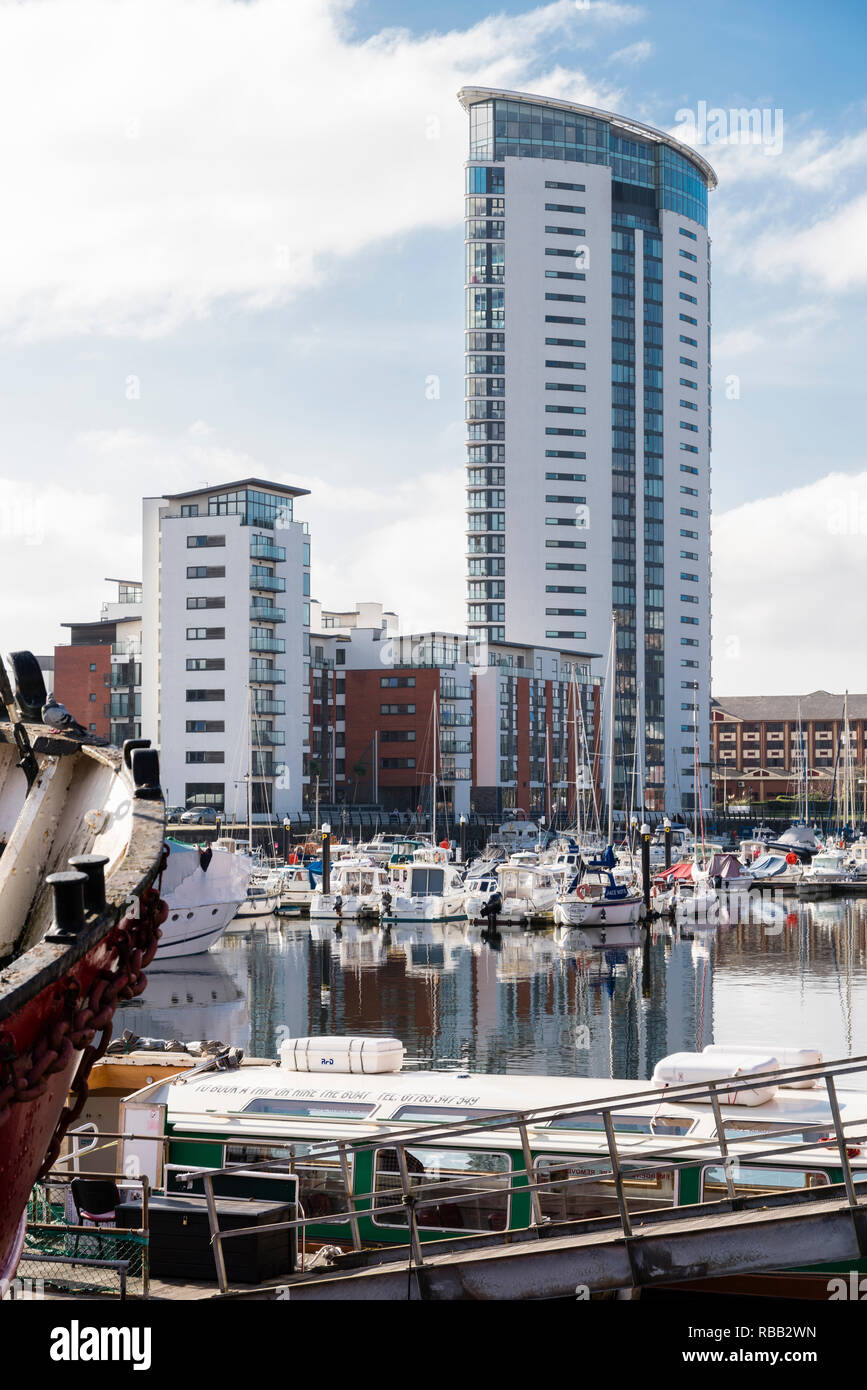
(683, 232)
(686, 511)
(690, 448)
(211, 542)
(685, 318)
(565, 386)
(560, 318)
(190, 509)
(690, 491)
(563, 231)
(688, 468)
(685, 275)
(566, 477)
(684, 381)
(690, 535)
(93, 665)
(205, 663)
(397, 709)
(563, 207)
(564, 275)
(553, 429)
(572, 187)
(557, 497)
(205, 755)
(753, 1181)
(205, 634)
(340, 656)
(206, 726)
(205, 794)
(692, 621)
(572, 366)
(689, 254)
(197, 601)
(206, 571)
(689, 598)
(564, 342)
(394, 764)
(688, 405)
(572, 298)
(685, 575)
(389, 682)
(684, 425)
(689, 555)
(691, 341)
(93, 699)
(211, 695)
(461, 1189)
(575, 1189)
(397, 736)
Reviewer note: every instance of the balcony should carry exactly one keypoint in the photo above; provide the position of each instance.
(274, 738)
(263, 765)
(130, 648)
(126, 674)
(267, 675)
(451, 746)
(270, 583)
(267, 613)
(264, 642)
(262, 549)
(264, 703)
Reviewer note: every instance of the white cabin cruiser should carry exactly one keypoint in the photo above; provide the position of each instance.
(477, 891)
(595, 899)
(357, 888)
(528, 892)
(430, 892)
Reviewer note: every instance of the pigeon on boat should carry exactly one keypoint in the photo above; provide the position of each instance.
(57, 716)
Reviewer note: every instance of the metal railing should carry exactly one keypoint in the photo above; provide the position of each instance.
(715, 1150)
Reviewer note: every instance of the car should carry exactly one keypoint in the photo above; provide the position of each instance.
(174, 813)
(199, 815)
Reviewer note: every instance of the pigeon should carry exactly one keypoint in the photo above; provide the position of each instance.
(57, 716)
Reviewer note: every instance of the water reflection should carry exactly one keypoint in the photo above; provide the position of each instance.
(573, 1002)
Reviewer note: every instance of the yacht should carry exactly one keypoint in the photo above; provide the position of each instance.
(204, 886)
(357, 889)
(594, 898)
(429, 892)
(528, 892)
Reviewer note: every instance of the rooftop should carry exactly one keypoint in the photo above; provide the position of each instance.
(260, 484)
(819, 704)
(470, 96)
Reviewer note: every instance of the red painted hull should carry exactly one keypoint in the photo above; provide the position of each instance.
(26, 1134)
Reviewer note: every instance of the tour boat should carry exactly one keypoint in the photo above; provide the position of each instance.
(81, 843)
(356, 889)
(330, 1110)
(204, 887)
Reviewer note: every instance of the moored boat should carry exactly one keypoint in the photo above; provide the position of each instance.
(81, 833)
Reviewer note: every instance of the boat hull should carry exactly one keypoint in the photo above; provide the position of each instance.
(194, 930)
(584, 912)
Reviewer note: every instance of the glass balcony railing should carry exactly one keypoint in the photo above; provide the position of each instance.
(271, 583)
(126, 674)
(262, 549)
(130, 648)
(264, 642)
(267, 675)
(263, 703)
(267, 613)
(263, 765)
(274, 738)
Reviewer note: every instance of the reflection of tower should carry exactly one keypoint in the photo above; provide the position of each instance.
(191, 999)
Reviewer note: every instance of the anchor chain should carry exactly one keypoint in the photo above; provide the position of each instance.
(82, 1018)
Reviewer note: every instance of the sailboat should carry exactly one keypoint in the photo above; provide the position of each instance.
(263, 894)
(593, 897)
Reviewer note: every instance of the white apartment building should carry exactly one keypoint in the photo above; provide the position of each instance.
(588, 410)
(226, 645)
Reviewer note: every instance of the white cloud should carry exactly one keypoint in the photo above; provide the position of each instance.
(831, 253)
(788, 587)
(633, 53)
(170, 154)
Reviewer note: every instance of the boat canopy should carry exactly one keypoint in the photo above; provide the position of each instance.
(725, 866)
(768, 866)
(677, 871)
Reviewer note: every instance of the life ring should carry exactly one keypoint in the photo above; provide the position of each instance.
(581, 890)
(791, 858)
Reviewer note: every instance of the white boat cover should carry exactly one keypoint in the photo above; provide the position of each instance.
(336, 1054)
(192, 878)
(681, 1068)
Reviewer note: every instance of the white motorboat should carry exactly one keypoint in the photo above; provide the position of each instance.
(298, 883)
(595, 899)
(204, 887)
(477, 890)
(528, 892)
(263, 896)
(356, 889)
(431, 893)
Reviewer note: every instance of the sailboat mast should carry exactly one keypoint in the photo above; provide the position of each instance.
(436, 745)
(613, 677)
(576, 755)
(250, 768)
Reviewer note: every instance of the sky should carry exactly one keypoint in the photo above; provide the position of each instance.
(232, 245)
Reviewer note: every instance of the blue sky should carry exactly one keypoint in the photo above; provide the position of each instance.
(233, 246)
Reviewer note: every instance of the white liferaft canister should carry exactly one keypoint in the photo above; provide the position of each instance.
(786, 1057)
(683, 1068)
(336, 1054)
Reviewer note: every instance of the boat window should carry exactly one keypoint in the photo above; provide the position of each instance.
(309, 1109)
(752, 1181)
(562, 1198)
(625, 1124)
(441, 1113)
(455, 1189)
(321, 1189)
(427, 881)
